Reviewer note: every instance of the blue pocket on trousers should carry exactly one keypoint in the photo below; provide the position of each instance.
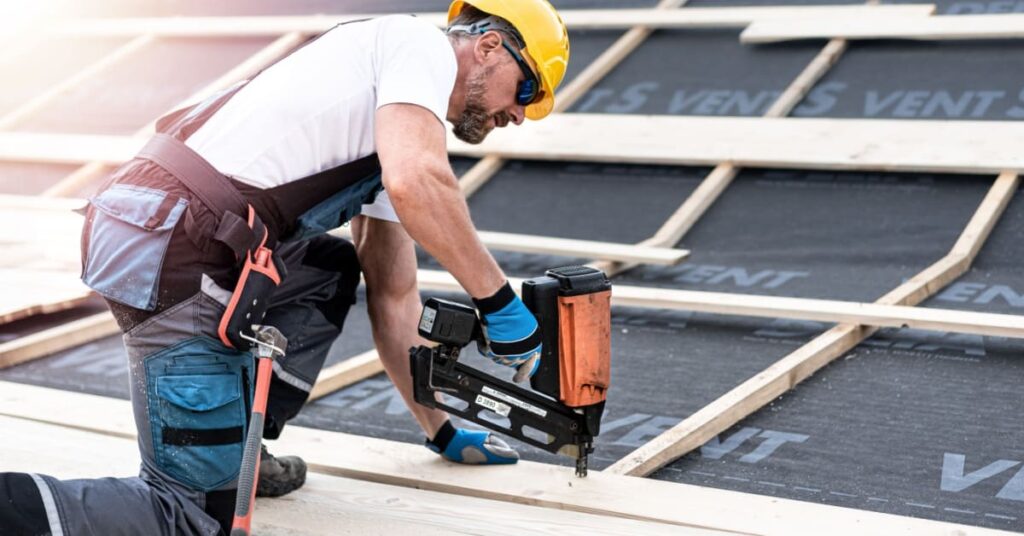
(198, 393)
(130, 231)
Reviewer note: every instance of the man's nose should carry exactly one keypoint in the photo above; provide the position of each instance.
(517, 113)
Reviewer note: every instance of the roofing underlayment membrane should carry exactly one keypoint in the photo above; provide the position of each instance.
(909, 422)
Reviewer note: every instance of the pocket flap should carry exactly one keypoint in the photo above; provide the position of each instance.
(198, 393)
(147, 208)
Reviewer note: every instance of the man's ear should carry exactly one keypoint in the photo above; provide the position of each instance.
(487, 44)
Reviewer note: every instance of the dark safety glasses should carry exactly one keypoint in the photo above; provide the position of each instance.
(529, 89)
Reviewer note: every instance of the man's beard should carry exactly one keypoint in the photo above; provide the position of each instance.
(475, 122)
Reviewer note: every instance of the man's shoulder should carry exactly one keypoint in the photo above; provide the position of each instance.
(409, 27)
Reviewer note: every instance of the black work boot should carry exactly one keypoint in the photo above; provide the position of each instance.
(279, 476)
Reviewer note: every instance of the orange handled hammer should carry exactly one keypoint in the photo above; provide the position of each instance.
(268, 342)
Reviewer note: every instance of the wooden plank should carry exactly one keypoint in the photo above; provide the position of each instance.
(869, 314)
(576, 19)
(1005, 26)
(98, 166)
(528, 483)
(753, 394)
(16, 116)
(928, 146)
(978, 147)
(57, 339)
(325, 502)
(348, 372)
(835, 311)
(29, 293)
(68, 148)
(567, 247)
(41, 261)
(570, 247)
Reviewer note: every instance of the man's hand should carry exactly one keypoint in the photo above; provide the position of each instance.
(512, 336)
(473, 447)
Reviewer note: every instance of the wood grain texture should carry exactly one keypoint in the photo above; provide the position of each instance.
(57, 339)
(975, 27)
(325, 505)
(854, 144)
(532, 484)
(977, 147)
(40, 263)
(576, 19)
(780, 377)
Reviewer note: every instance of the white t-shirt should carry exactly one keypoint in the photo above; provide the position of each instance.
(315, 109)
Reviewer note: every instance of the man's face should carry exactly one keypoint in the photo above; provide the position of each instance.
(491, 96)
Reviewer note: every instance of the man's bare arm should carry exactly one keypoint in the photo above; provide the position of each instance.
(426, 196)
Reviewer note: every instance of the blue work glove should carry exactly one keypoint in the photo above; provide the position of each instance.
(511, 334)
(471, 447)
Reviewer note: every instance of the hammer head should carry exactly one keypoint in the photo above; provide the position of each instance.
(269, 341)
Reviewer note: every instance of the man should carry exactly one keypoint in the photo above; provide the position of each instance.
(220, 223)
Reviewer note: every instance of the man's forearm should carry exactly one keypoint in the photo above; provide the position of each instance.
(434, 213)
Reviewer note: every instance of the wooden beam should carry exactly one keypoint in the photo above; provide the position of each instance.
(98, 166)
(352, 370)
(575, 89)
(978, 147)
(570, 247)
(68, 148)
(576, 19)
(1006, 26)
(324, 502)
(18, 115)
(834, 311)
(753, 394)
(922, 146)
(533, 484)
(57, 339)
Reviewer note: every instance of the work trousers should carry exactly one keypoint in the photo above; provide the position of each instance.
(190, 394)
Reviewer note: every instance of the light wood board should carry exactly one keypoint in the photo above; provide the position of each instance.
(853, 144)
(570, 247)
(57, 339)
(325, 505)
(781, 376)
(582, 19)
(1004, 26)
(924, 146)
(527, 483)
(872, 314)
(40, 259)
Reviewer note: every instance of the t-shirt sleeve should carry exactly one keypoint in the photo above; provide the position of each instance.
(415, 64)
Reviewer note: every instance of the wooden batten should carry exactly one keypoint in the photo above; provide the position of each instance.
(961, 27)
(532, 484)
(753, 394)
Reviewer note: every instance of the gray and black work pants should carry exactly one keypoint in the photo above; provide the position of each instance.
(190, 394)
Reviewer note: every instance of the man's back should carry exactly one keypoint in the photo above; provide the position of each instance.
(315, 109)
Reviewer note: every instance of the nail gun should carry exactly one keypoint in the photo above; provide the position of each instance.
(563, 413)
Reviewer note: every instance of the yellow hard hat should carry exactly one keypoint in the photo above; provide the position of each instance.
(545, 36)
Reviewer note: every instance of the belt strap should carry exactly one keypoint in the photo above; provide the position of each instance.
(212, 188)
(201, 178)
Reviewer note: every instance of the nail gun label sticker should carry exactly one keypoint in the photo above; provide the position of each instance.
(493, 405)
(427, 320)
(515, 401)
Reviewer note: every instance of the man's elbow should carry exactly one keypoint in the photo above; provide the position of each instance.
(416, 182)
